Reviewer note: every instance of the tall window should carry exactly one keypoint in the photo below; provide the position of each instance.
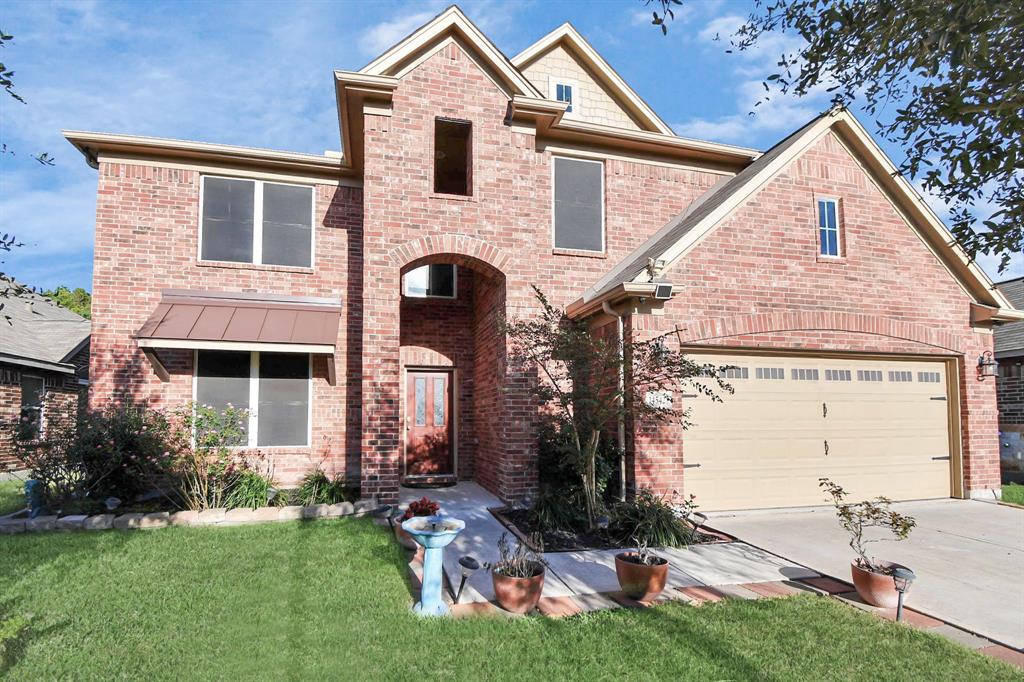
(563, 93)
(579, 204)
(274, 387)
(33, 391)
(251, 221)
(431, 281)
(452, 157)
(828, 227)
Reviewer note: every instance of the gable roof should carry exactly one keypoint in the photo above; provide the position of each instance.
(1009, 338)
(451, 21)
(568, 36)
(681, 234)
(39, 332)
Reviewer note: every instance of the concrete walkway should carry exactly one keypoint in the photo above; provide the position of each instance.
(590, 572)
(968, 556)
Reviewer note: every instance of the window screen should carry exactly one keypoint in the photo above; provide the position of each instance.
(431, 281)
(579, 205)
(33, 391)
(283, 415)
(452, 144)
(287, 224)
(227, 219)
(222, 379)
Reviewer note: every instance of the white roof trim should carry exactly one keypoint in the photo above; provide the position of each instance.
(451, 19)
(568, 34)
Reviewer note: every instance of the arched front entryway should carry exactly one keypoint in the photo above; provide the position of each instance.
(434, 361)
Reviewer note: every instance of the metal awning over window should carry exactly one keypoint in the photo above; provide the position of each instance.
(213, 320)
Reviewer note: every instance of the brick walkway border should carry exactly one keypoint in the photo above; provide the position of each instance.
(209, 517)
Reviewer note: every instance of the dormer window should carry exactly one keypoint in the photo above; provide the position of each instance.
(563, 93)
(453, 162)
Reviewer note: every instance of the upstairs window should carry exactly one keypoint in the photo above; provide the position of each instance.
(563, 93)
(431, 281)
(579, 204)
(452, 157)
(251, 221)
(828, 227)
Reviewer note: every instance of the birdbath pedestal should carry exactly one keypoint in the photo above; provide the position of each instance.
(433, 533)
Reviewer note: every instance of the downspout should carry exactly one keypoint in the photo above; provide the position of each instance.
(622, 386)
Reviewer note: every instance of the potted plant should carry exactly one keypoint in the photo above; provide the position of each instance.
(518, 575)
(872, 578)
(421, 507)
(642, 574)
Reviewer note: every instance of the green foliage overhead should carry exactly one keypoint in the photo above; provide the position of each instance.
(945, 81)
(76, 300)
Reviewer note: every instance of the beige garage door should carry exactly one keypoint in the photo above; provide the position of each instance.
(876, 427)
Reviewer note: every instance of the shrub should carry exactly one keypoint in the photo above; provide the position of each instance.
(318, 488)
(207, 471)
(855, 518)
(249, 490)
(649, 520)
(519, 561)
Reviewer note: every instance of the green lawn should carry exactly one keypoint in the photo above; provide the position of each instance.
(11, 497)
(329, 600)
(1013, 492)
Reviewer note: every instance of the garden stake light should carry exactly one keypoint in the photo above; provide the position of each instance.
(385, 512)
(467, 566)
(902, 577)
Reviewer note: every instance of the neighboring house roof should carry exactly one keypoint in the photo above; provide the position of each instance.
(684, 232)
(39, 333)
(568, 36)
(1009, 338)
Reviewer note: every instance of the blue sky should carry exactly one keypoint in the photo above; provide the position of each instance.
(259, 74)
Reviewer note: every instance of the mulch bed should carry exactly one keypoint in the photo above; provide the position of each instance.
(517, 521)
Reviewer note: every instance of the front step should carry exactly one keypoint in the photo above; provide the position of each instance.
(434, 481)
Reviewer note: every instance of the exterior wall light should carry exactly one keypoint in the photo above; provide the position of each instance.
(987, 365)
(902, 578)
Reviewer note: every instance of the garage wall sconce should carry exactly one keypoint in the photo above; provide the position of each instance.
(987, 366)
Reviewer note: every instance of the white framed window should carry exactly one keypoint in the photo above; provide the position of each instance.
(275, 388)
(900, 377)
(578, 204)
(439, 280)
(869, 375)
(770, 373)
(802, 374)
(255, 221)
(929, 377)
(33, 398)
(838, 375)
(565, 90)
(453, 157)
(828, 227)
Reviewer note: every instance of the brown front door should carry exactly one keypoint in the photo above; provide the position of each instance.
(428, 450)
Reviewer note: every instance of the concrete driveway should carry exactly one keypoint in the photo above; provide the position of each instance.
(968, 557)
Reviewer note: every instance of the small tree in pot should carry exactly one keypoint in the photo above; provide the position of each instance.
(642, 574)
(872, 578)
(518, 575)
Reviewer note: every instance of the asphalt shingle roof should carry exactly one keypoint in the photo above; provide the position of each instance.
(33, 328)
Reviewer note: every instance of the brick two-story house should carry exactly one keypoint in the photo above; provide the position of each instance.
(352, 300)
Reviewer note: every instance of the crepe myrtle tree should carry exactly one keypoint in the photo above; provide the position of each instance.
(579, 382)
(944, 80)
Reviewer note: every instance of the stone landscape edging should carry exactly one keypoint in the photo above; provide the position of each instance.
(207, 517)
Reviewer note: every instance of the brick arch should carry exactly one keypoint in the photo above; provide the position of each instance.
(460, 249)
(766, 323)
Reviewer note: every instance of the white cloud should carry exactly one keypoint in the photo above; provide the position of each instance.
(385, 34)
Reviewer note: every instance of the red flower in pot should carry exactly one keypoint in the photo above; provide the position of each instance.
(421, 507)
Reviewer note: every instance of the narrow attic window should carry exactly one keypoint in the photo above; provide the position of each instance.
(828, 227)
(563, 93)
(452, 157)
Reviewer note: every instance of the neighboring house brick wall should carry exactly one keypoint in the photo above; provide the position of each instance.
(147, 227)
(757, 282)
(60, 405)
(1010, 389)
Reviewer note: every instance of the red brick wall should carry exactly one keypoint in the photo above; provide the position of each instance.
(758, 282)
(147, 226)
(505, 227)
(61, 404)
(1010, 387)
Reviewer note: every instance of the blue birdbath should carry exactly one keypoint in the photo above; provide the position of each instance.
(434, 533)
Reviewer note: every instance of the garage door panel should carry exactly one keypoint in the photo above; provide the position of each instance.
(875, 427)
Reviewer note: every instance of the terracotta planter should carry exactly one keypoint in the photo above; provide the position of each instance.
(403, 537)
(877, 589)
(640, 581)
(518, 595)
